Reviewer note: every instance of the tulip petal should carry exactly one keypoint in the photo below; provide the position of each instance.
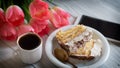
(62, 12)
(24, 28)
(64, 22)
(38, 25)
(2, 17)
(55, 19)
(44, 31)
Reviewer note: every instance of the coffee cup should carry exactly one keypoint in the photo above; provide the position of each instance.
(29, 47)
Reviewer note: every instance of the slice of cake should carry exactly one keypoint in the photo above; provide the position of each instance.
(79, 43)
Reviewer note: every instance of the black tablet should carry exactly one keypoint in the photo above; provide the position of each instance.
(109, 29)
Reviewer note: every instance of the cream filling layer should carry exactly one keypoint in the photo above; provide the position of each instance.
(97, 49)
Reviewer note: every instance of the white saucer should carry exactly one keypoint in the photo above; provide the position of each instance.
(51, 43)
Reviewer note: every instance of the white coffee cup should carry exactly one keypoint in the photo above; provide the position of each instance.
(29, 47)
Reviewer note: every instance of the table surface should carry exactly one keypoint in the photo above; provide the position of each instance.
(103, 9)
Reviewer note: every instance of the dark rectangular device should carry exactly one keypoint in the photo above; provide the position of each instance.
(109, 29)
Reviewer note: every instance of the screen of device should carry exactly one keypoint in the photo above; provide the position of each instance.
(108, 29)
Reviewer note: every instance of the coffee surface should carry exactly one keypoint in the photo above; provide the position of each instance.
(29, 42)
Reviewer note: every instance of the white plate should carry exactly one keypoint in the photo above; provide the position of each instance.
(51, 43)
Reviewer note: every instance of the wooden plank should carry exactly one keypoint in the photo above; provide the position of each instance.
(9, 58)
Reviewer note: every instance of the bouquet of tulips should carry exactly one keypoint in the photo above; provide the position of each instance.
(12, 22)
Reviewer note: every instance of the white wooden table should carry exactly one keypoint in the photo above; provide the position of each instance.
(103, 9)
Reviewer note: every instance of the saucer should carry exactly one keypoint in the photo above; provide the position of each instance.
(51, 43)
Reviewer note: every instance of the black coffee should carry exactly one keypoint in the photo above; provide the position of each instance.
(29, 41)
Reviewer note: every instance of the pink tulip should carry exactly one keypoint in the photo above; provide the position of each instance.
(62, 12)
(38, 25)
(24, 28)
(2, 17)
(15, 15)
(8, 32)
(39, 10)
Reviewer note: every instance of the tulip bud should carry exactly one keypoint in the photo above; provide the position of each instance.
(57, 20)
(39, 10)
(15, 15)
